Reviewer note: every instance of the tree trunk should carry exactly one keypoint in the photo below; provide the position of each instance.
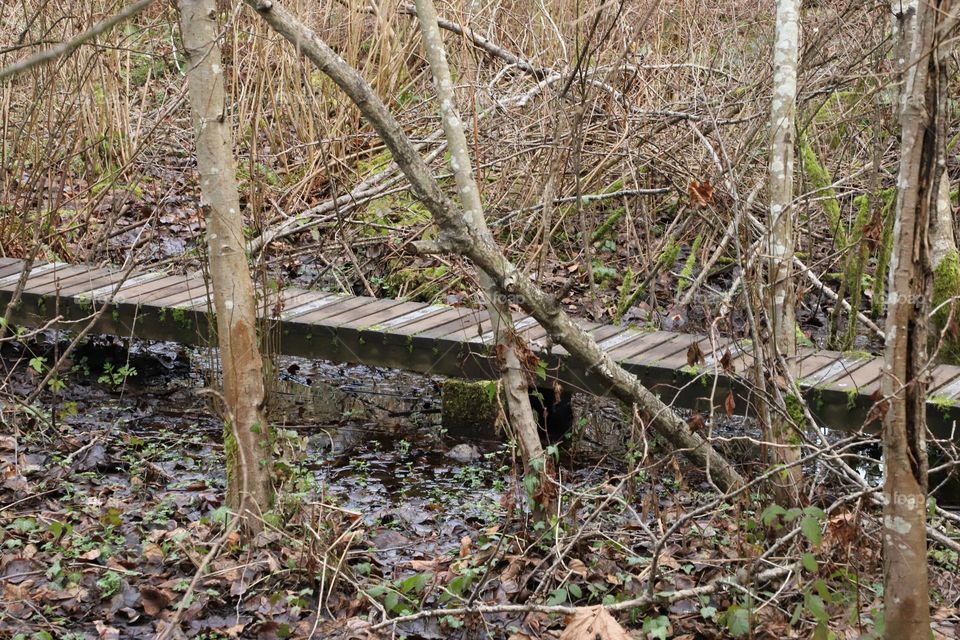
(514, 378)
(780, 241)
(456, 237)
(246, 433)
(905, 379)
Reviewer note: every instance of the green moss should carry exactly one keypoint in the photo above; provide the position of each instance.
(232, 456)
(822, 181)
(852, 396)
(686, 274)
(946, 285)
(794, 410)
(670, 252)
(889, 199)
(374, 165)
(623, 304)
(470, 408)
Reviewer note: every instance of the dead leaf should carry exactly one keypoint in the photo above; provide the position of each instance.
(696, 423)
(725, 361)
(578, 568)
(152, 552)
(731, 403)
(465, 543)
(694, 354)
(106, 632)
(593, 623)
(701, 193)
(153, 600)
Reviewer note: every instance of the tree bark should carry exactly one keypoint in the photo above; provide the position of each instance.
(514, 377)
(246, 432)
(905, 379)
(780, 241)
(454, 236)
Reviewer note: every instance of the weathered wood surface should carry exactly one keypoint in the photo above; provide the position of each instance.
(438, 339)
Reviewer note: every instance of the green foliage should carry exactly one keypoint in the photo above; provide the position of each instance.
(115, 376)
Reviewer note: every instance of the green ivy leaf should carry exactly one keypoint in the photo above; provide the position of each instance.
(809, 562)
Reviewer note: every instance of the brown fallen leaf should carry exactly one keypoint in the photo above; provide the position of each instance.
(153, 600)
(694, 354)
(577, 567)
(731, 403)
(593, 623)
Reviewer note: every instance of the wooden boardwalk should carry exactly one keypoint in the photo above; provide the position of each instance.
(438, 339)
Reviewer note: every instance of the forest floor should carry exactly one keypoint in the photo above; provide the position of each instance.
(112, 511)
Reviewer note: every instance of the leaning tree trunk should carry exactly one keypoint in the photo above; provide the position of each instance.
(514, 378)
(904, 383)
(456, 237)
(246, 433)
(780, 241)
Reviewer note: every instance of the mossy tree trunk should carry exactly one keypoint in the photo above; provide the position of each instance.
(246, 433)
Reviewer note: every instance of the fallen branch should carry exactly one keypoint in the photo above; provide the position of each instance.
(456, 237)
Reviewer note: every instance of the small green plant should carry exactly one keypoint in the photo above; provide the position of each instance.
(115, 376)
(109, 584)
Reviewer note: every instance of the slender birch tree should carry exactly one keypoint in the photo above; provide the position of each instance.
(906, 366)
(246, 434)
(514, 378)
(781, 293)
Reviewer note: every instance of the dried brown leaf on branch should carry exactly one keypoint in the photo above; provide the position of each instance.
(593, 623)
(701, 194)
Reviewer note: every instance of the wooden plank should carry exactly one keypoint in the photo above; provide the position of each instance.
(864, 380)
(10, 262)
(302, 302)
(367, 307)
(189, 294)
(424, 322)
(942, 375)
(837, 365)
(59, 282)
(48, 283)
(677, 343)
(372, 320)
(519, 324)
(464, 318)
(82, 283)
(10, 281)
(325, 314)
(635, 351)
(146, 291)
(106, 292)
(15, 267)
(157, 297)
(810, 361)
(949, 391)
(469, 331)
(425, 314)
